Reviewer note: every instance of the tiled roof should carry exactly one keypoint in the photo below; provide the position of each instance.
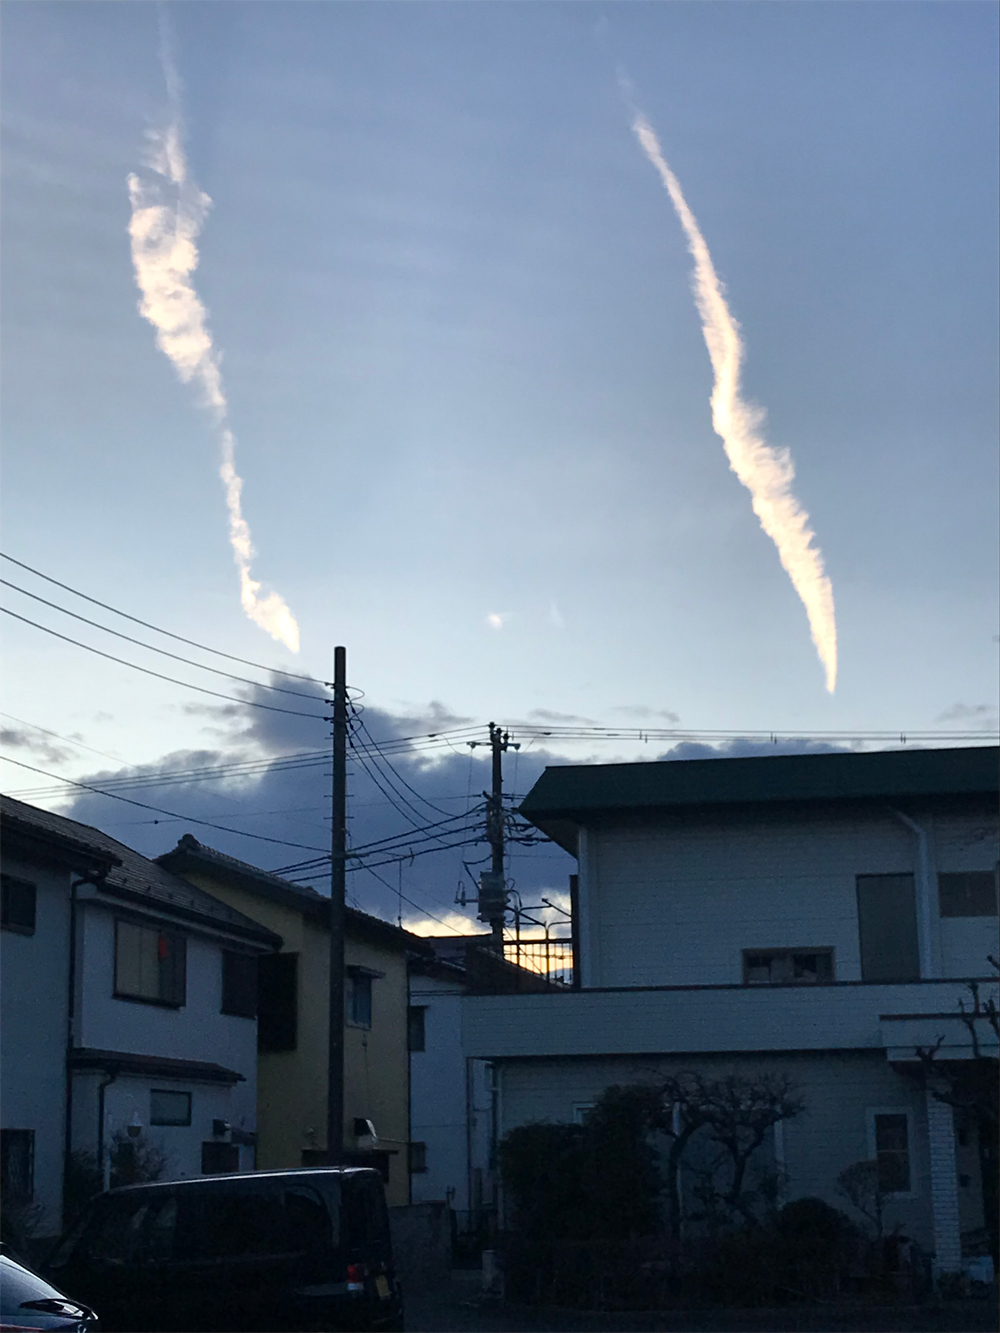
(571, 793)
(192, 855)
(132, 875)
(154, 1066)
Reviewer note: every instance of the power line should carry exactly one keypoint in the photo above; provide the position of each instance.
(192, 643)
(392, 769)
(68, 739)
(176, 657)
(191, 819)
(411, 903)
(232, 698)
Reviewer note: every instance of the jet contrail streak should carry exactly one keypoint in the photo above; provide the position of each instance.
(766, 472)
(168, 210)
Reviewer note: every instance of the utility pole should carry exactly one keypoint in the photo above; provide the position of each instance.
(495, 834)
(338, 863)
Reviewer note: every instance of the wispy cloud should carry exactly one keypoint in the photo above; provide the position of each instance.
(17, 739)
(766, 472)
(980, 716)
(644, 714)
(556, 619)
(168, 210)
(496, 619)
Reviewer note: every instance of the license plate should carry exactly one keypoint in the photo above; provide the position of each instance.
(382, 1287)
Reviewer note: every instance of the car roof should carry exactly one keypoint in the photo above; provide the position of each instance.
(292, 1173)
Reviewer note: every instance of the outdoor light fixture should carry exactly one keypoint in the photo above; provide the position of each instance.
(134, 1126)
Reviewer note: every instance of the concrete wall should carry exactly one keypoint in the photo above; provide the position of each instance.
(701, 1018)
(676, 901)
(34, 991)
(840, 1089)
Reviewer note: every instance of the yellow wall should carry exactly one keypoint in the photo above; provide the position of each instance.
(291, 1085)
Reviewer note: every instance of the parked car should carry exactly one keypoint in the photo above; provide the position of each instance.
(27, 1301)
(305, 1249)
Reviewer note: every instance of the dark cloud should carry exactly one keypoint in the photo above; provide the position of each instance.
(749, 749)
(643, 714)
(282, 792)
(32, 743)
(981, 716)
(547, 715)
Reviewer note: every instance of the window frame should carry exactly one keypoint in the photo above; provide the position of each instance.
(825, 950)
(872, 1114)
(411, 1012)
(7, 882)
(991, 875)
(231, 1009)
(179, 940)
(169, 1092)
(352, 975)
(417, 1153)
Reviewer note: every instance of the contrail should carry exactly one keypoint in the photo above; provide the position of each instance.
(168, 210)
(767, 473)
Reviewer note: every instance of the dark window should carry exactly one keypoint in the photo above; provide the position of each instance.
(887, 922)
(18, 904)
(892, 1150)
(973, 893)
(416, 1026)
(239, 984)
(150, 964)
(17, 1165)
(219, 1159)
(169, 1108)
(787, 967)
(277, 1001)
(359, 999)
(418, 1158)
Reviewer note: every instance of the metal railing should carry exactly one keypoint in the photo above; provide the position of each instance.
(550, 957)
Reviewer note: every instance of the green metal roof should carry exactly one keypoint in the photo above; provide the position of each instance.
(570, 793)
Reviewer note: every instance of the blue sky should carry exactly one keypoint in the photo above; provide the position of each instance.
(465, 370)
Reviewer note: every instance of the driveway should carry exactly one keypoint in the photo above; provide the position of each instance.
(457, 1306)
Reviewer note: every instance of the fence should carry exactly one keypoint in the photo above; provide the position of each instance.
(550, 957)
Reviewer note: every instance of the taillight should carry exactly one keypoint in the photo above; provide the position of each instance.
(357, 1272)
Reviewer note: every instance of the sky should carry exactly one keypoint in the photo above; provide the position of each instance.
(451, 305)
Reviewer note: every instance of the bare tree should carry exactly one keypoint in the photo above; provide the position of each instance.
(734, 1113)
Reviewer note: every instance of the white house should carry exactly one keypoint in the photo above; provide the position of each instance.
(129, 999)
(814, 915)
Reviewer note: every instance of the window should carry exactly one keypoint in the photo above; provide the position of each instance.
(359, 998)
(219, 1159)
(18, 912)
(277, 1002)
(891, 1135)
(973, 893)
(416, 1027)
(887, 925)
(239, 984)
(169, 1108)
(787, 967)
(17, 1165)
(150, 964)
(418, 1158)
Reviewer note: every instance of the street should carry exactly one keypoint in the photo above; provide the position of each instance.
(458, 1306)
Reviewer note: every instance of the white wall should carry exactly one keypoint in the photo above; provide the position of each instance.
(839, 1089)
(196, 1031)
(34, 992)
(965, 843)
(677, 902)
(445, 1089)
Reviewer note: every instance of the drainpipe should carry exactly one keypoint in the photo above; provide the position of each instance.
(927, 963)
(105, 1169)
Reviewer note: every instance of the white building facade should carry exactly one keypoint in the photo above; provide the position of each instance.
(128, 1011)
(818, 916)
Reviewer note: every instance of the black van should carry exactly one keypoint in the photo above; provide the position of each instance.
(305, 1249)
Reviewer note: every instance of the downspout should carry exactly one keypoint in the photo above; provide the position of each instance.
(469, 1113)
(927, 965)
(105, 1173)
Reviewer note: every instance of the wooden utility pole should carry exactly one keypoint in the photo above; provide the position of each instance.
(338, 863)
